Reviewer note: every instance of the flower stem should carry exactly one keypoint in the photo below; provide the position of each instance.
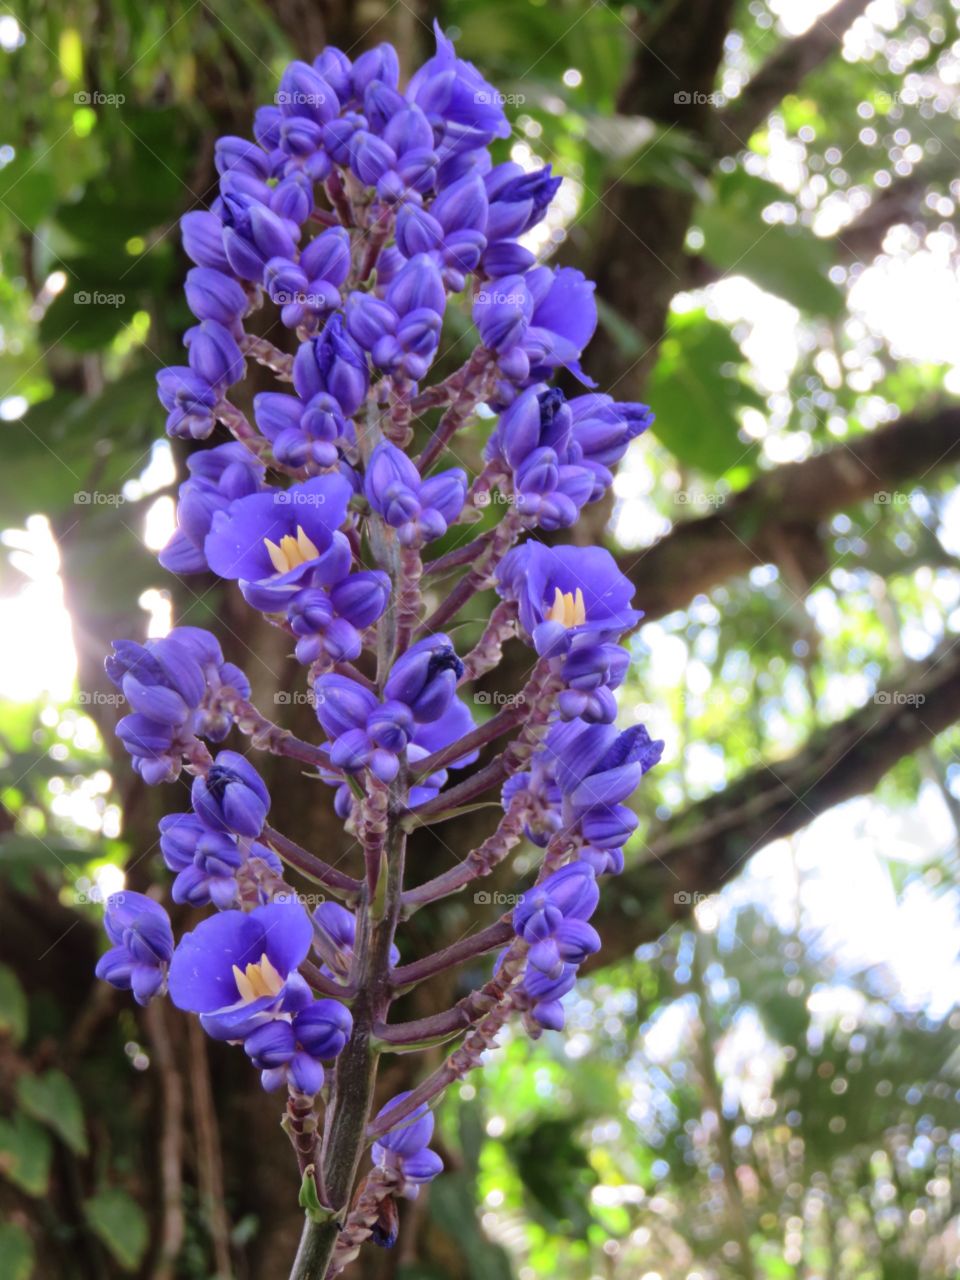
(316, 1245)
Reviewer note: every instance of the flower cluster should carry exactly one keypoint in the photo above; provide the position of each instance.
(359, 209)
(173, 685)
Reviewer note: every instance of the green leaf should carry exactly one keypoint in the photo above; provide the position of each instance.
(52, 1099)
(787, 260)
(16, 1252)
(121, 1224)
(13, 1006)
(65, 446)
(25, 1154)
(697, 392)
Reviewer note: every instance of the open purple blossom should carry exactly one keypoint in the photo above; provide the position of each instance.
(142, 938)
(218, 477)
(239, 970)
(279, 542)
(565, 593)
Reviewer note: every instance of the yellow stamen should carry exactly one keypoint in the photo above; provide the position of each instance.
(291, 552)
(567, 608)
(257, 980)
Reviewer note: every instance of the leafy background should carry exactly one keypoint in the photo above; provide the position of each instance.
(760, 1077)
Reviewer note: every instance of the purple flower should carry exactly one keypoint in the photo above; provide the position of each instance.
(405, 1148)
(518, 202)
(238, 970)
(139, 929)
(597, 768)
(335, 932)
(276, 543)
(214, 355)
(202, 235)
(425, 677)
(602, 429)
(364, 732)
(332, 362)
(232, 796)
(458, 102)
(331, 622)
(291, 1053)
(401, 331)
(189, 400)
(217, 477)
(303, 434)
(552, 919)
(252, 235)
(207, 862)
(419, 510)
(166, 682)
(534, 439)
(564, 593)
(215, 295)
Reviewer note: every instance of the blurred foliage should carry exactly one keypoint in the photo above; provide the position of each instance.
(745, 1099)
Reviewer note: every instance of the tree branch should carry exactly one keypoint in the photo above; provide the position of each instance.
(782, 73)
(702, 848)
(782, 509)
